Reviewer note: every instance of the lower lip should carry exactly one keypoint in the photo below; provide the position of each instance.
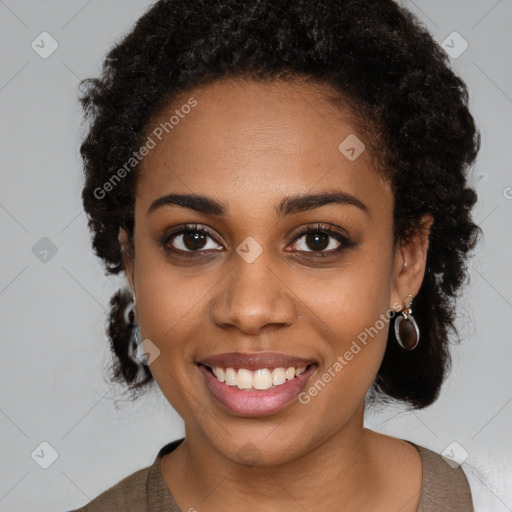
(256, 402)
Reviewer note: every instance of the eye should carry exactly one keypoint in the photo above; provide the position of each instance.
(318, 240)
(190, 238)
(321, 241)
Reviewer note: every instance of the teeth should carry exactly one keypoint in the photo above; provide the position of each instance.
(257, 379)
(244, 379)
(278, 376)
(262, 379)
(230, 377)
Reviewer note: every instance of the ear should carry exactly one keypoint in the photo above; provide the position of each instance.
(127, 254)
(410, 263)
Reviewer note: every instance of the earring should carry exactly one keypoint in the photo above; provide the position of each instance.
(407, 332)
(137, 335)
(129, 313)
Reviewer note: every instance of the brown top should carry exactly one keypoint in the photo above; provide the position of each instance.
(443, 488)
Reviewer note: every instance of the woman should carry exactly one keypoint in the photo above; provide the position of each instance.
(283, 185)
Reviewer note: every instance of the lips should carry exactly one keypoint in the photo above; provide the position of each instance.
(262, 401)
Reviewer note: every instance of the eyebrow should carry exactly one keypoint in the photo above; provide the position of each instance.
(287, 206)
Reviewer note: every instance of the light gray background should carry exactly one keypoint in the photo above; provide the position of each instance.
(54, 350)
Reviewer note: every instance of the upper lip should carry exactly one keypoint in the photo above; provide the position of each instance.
(255, 361)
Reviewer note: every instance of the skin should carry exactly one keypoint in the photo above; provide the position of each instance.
(249, 145)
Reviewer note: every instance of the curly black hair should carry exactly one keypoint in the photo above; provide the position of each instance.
(379, 59)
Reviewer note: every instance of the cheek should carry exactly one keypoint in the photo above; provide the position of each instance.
(168, 306)
(168, 316)
(358, 331)
(352, 298)
(358, 327)
(168, 295)
(352, 311)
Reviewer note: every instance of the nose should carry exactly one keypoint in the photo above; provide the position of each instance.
(253, 297)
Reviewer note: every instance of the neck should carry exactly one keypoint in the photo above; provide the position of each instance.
(201, 478)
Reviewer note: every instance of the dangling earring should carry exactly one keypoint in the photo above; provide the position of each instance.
(129, 313)
(137, 336)
(407, 332)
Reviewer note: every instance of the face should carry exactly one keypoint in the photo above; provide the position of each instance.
(259, 282)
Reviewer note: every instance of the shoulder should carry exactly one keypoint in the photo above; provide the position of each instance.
(487, 485)
(441, 483)
(142, 490)
(128, 495)
(444, 483)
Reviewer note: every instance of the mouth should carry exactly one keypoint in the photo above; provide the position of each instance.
(255, 385)
(259, 379)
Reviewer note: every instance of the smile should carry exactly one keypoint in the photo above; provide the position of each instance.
(260, 379)
(257, 391)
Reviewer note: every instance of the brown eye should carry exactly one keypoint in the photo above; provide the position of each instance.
(194, 240)
(320, 240)
(190, 239)
(317, 241)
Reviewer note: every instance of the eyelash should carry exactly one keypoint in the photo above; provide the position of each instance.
(316, 229)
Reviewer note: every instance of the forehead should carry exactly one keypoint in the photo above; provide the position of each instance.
(251, 143)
